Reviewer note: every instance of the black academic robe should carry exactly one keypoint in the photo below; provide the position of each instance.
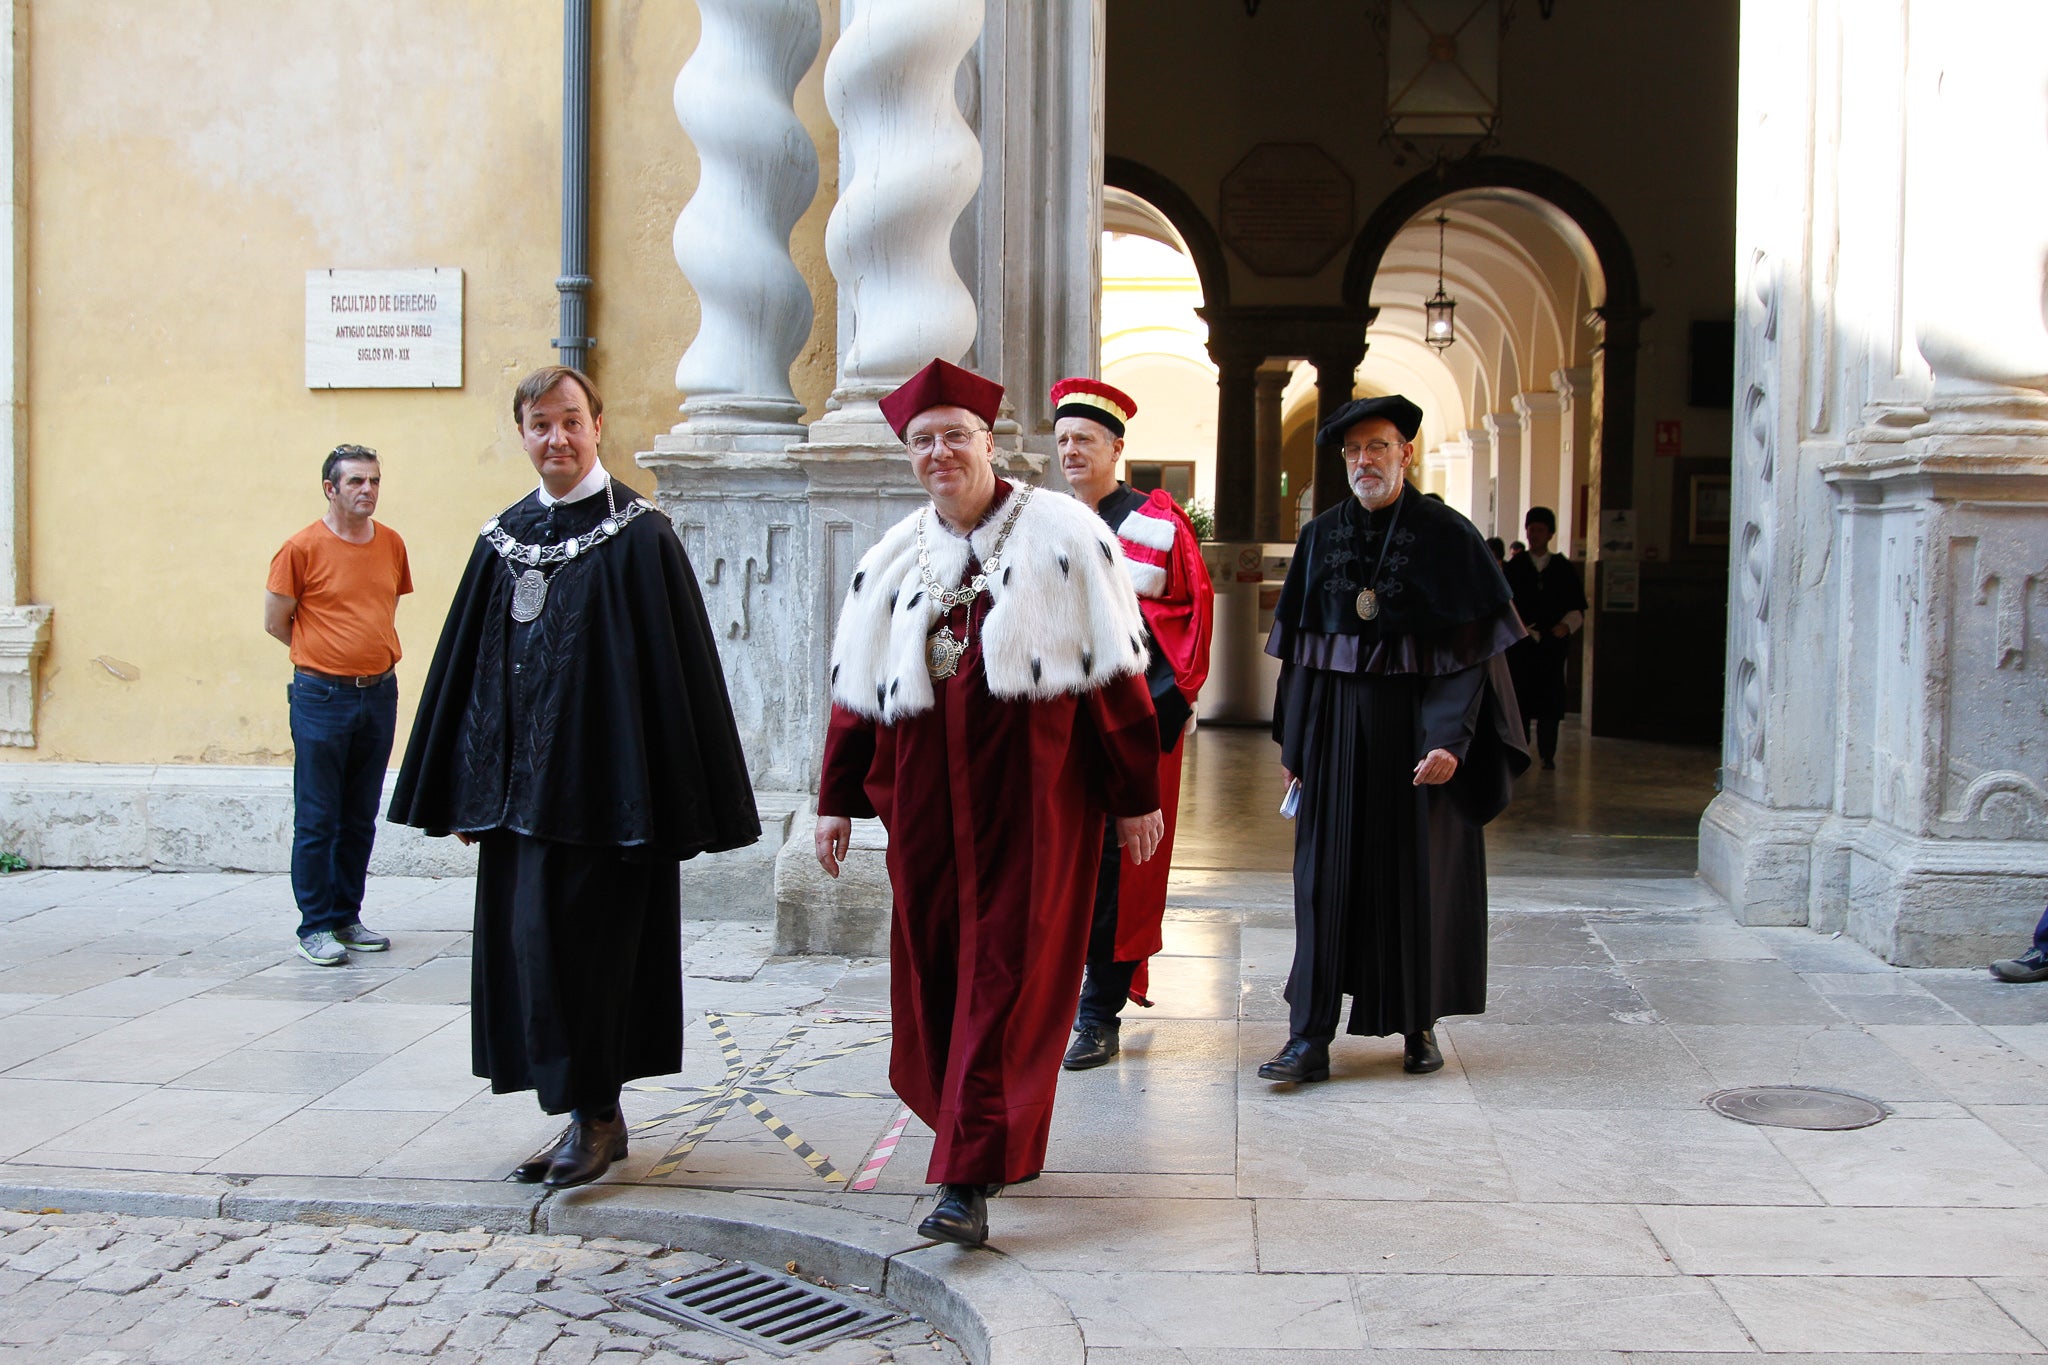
(1543, 598)
(587, 751)
(1389, 877)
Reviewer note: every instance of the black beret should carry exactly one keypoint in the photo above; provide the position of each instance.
(1403, 414)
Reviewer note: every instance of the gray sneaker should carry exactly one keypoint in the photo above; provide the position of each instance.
(2028, 966)
(354, 936)
(321, 949)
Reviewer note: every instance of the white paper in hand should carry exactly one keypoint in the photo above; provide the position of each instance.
(1291, 802)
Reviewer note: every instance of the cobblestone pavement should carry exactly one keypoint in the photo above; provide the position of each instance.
(100, 1289)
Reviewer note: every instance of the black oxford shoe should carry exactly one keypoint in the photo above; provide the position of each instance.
(588, 1152)
(534, 1169)
(1422, 1056)
(1300, 1060)
(961, 1217)
(1092, 1046)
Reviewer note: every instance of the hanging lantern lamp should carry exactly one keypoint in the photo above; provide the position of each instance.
(1440, 325)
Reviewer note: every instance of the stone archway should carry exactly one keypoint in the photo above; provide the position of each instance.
(1620, 311)
(1612, 644)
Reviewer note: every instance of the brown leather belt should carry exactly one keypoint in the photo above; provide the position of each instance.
(364, 680)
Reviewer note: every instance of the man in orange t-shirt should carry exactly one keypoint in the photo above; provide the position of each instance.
(333, 598)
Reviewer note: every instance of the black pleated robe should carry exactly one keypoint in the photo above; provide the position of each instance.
(588, 752)
(1389, 877)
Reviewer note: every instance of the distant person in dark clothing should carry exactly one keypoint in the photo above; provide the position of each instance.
(1552, 605)
(2032, 965)
(1499, 549)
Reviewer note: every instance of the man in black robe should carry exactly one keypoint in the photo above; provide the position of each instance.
(1396, 717)
(575, 727)
(1551, 602)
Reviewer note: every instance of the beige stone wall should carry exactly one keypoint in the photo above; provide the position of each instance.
(189, 160)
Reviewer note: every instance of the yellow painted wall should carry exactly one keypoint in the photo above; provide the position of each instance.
(189, 160)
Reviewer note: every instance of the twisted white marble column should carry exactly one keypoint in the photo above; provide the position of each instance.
(1977, 214)
(909, 166)
(758, 173)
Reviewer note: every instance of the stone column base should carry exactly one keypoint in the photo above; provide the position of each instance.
(847, 916)
(1941, 902)
(1760, 859)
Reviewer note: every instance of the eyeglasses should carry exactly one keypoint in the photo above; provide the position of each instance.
(1374, 449)
(956, 438)
(353, 453)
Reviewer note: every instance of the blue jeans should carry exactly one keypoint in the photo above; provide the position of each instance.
(341, 738)
(2041, 937)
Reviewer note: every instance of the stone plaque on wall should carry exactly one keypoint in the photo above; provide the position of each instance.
(1287, 208)
(384, 329)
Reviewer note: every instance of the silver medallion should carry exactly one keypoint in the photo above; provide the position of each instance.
(942, 653)
(529, 595)
(1368, 604)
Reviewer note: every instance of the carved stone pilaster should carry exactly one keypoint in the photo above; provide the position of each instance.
(1884, 771)
(1478, 442)
(1574, 388)
(1539, 478)
(24, 628)
(758, 172)
(1504, 432)
(1037, 111)
(24, 635)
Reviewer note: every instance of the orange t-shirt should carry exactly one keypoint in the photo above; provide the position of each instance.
(346, 622)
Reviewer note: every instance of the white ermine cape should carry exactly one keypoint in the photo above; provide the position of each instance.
(1062, 616)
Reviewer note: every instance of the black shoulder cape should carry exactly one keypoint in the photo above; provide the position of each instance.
(1433, 570)
(604, 722)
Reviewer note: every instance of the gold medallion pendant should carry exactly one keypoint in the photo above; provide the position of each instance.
(1368, 604)
(942, 653)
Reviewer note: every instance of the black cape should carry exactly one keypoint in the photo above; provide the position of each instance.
(1389, 877)
(603, 723)
(1543, 598)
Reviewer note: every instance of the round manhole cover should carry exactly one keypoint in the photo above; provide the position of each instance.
(1796, 1106)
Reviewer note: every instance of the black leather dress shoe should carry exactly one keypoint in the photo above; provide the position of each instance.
(1422, 1056)
(588, 1152)
(1300, 1060)
(1092, 1046)
(961, 1217)
(535, 1168)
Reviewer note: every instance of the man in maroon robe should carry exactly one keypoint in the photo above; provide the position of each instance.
(989, 704)
(1164, 557)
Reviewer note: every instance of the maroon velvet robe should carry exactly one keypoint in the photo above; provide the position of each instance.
(994, 810)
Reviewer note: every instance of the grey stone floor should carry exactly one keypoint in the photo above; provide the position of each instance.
(1556, 1193)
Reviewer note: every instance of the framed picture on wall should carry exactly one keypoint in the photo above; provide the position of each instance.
(1711, 504)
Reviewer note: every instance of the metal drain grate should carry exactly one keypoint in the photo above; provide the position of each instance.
(1797, 1106)
(763, 1308)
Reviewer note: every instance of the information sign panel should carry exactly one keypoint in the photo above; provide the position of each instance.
(384, 329)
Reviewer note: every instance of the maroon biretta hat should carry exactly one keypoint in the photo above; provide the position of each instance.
(941, 384)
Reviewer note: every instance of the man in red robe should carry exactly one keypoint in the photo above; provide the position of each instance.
(1165, 562)
(989, 704)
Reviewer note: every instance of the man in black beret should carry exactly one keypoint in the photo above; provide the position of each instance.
(1399, 739)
